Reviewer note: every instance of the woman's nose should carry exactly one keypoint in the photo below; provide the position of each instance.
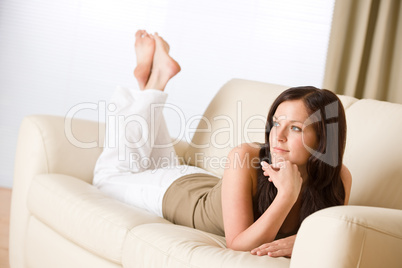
(281, 134)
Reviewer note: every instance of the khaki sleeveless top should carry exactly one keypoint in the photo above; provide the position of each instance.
(194, 200)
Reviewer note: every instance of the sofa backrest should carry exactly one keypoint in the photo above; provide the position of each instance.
(373, 150)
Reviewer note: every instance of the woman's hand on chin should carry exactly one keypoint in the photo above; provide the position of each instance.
(287, 179)
(278, 248)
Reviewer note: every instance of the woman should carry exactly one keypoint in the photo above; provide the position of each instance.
(252, 206)
(306, 149)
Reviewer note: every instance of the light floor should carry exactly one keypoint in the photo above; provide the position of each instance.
(5, 202)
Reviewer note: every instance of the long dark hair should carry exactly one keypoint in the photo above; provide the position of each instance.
(324, 187)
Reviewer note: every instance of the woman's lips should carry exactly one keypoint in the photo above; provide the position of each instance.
(279, 150)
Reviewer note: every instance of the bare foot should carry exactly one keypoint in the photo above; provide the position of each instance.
(144, 49)
(164, 67)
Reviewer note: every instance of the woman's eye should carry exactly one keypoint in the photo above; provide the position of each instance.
(275, 124)
(294, 128)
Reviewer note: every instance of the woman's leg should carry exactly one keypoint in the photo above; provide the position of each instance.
(137, 137)
(129, 168)
(137, 141)
(138, 162)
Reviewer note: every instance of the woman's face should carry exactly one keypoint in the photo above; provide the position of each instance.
(290, 133)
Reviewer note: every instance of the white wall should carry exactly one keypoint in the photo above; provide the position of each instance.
(57, 54)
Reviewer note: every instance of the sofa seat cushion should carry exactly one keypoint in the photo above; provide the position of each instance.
(163, 245)
(81, 213)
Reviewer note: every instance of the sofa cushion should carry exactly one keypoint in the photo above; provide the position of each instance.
(46, 248)
(81, 213)
(162, 245)
(374, 152)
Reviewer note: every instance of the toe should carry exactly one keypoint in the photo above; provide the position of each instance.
(139, 33)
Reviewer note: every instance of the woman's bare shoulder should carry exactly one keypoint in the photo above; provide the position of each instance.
(346, 178)
(244, 161)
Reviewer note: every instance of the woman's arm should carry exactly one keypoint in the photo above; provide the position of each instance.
(284, 247)
(239, 184)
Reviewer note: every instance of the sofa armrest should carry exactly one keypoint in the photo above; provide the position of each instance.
(350, 236)
(55, 144)
(49, 144)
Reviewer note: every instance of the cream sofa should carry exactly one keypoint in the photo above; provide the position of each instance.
(58, 219)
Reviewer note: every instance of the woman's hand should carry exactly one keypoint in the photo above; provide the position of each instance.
(278, 248)
(287, 178)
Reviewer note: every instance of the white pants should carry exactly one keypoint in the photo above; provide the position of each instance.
(138, 163)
